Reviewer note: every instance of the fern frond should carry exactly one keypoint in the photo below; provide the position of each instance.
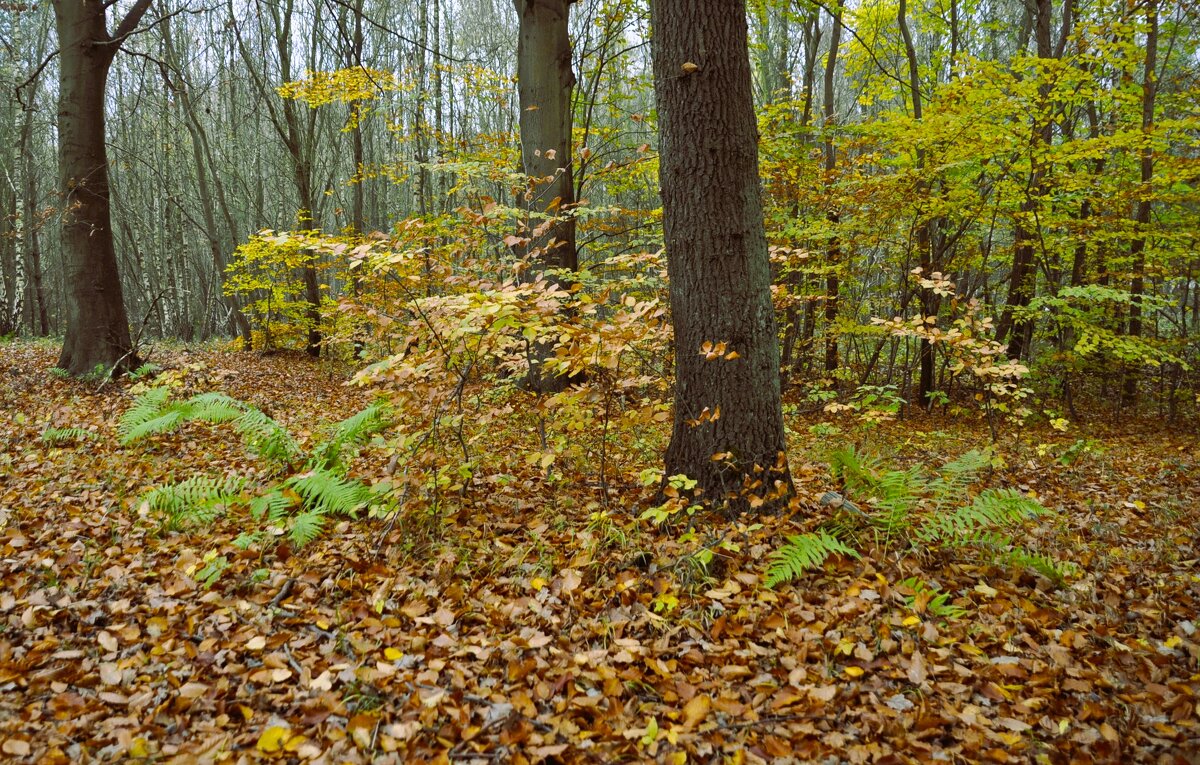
(1054, 570)
(61, 436)
(265, 437)
(956, 477)
(802, 553)
(351, 433)
(328, 493)
(897, 493)
(993, 509)
(306, 527)
(854, 471)
(197, 500)
(166, 421)
(272, 506)
(144, 409)
(214, 407)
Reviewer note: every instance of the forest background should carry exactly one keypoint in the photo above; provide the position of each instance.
(982, 222)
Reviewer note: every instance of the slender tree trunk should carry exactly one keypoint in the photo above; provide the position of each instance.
(834, 251)
(929, 301)
(544, 84)
(728, 424)
(32, 225)
(208, 209)
(1137, 248)
(97, 325)
(10, 321)
(1023, 277)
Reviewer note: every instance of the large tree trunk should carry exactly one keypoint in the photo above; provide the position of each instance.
(727, 391)
(544, 84)
(97, 325)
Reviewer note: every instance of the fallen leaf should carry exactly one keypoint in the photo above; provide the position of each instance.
(273, 738)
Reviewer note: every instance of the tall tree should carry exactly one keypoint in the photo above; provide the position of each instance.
(834, 251)
(1137, 248)
(544, 83)
(97, 325)
(929, 300)
(1023, 276)
(728, 423)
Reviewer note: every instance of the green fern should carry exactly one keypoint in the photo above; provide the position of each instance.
(149, 369)
(938, 603)
(956, 477)
(306, 526)
(1054, 570)
(301, 502)
(62, 436)
(350, 433)
(931, 512)
(214, 407)
(145, 409)
(854, 471)
(992, 509)
(328, 493)
(267, 438)
(272, 507)
(802, 553)
(198, 500)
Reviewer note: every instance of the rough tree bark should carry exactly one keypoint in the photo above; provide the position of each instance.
(727, 400)
(97, 325)
(544, 84)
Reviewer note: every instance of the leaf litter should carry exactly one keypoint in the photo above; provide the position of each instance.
(512, 635)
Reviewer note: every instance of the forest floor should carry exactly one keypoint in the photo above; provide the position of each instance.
(523, 630)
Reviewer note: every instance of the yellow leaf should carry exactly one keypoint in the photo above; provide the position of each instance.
(392, 654)
(139, 747)
(273, 739)
(854, 671)
(983, 589)
(537, 583)
(696, 710)
(909, 621)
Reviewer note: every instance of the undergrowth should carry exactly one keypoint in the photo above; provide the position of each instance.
(300, 491)
(917, 511)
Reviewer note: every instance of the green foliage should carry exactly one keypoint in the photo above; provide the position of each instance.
(145, 409)
(266, 438)
(196, 501)
(803, 553)
(349, 434)
(63, 436)
(935, 602)
(328, 493)
(300, 501)
(154, 413)
(927, 512)
(214, 566)
(146, 370)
